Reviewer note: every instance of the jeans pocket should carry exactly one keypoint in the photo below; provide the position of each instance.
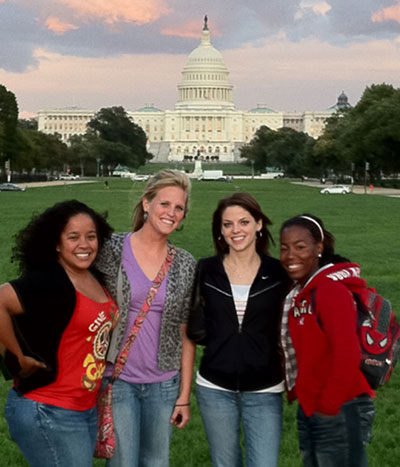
(170, 389)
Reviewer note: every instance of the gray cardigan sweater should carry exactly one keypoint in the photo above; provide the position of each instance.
(176, 309)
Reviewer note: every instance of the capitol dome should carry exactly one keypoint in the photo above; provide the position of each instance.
(205, 82)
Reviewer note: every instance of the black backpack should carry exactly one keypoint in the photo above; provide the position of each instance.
(379, 335)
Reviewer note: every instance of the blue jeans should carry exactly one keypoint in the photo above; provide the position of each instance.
(143, 430)
(260, 415)
(50, 436)
(340, 440)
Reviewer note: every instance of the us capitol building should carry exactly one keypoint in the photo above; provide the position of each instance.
(204, 122)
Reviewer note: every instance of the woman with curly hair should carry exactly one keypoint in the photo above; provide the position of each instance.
(55, 321)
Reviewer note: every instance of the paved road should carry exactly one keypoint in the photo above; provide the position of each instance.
(53, 183)
(359, 189)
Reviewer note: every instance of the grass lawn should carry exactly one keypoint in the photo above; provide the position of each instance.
(366, 230)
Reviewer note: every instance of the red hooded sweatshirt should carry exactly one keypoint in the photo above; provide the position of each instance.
(323, 331)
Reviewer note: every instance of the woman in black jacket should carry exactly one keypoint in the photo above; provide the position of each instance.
(235, 315)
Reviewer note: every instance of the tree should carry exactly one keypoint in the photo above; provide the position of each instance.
(28, 123)
(8, 125)
(286, 149)
(120, 141)
(369, 132)
(47, 152)
(83, 153)
(328, 155)
(256, 152)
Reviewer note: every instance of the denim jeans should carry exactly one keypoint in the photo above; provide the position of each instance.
(340, 440)
(50, 436)
(260, 415)
(143, 430)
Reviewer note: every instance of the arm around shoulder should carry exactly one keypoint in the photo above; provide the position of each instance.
(196, 329)
(11, 306)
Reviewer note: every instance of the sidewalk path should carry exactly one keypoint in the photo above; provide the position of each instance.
(53, 183)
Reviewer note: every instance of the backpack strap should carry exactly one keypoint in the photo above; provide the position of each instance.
(314, 308)
(379, 309)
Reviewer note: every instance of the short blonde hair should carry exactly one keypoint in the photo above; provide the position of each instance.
(162, 179)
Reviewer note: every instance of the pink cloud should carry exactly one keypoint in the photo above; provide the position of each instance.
(26, 114)
(189, 30)
(113, 11)
(390, 13)
(57, 26)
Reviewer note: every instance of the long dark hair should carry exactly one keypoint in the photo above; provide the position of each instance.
(247, 202)
(35, 244)
(318, 234)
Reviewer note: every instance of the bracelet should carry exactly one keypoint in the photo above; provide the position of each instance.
(182, 405)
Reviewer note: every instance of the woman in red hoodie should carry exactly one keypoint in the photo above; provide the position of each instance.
(321, 348)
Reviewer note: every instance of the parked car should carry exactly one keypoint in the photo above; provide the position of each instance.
(140, 178)
(68, 177)
(123, 172)
(336, 190)
(11, 187)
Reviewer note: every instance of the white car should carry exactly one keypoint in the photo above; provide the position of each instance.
(336, 190)
(68, 177)
(140, 178)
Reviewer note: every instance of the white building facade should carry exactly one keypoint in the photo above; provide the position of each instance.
(204, 123)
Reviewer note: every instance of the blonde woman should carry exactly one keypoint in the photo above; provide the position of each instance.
(153, 391)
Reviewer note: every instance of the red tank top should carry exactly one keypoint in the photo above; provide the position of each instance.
(81, 356)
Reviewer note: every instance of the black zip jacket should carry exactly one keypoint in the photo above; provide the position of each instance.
(48, 299)
(242, 358)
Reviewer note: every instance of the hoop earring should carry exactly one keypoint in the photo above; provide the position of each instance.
(145, 216)
(259, 234)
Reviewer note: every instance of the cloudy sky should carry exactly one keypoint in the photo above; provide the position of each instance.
(287, 54)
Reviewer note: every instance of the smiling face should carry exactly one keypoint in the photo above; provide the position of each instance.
(299, 253)
(166, 210)
(239, 228)
(78, 245)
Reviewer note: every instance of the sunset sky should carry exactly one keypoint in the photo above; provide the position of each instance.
(286, 54)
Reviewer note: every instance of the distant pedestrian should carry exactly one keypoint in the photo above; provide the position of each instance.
(371, 188)
(106, 184)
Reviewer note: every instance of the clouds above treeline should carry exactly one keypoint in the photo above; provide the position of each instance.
(105, 28)
(306, 37)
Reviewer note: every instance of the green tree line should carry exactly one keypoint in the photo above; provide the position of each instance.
(366, 136)
(111, 138)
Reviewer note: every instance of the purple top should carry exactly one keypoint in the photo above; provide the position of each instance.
(142, 364)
